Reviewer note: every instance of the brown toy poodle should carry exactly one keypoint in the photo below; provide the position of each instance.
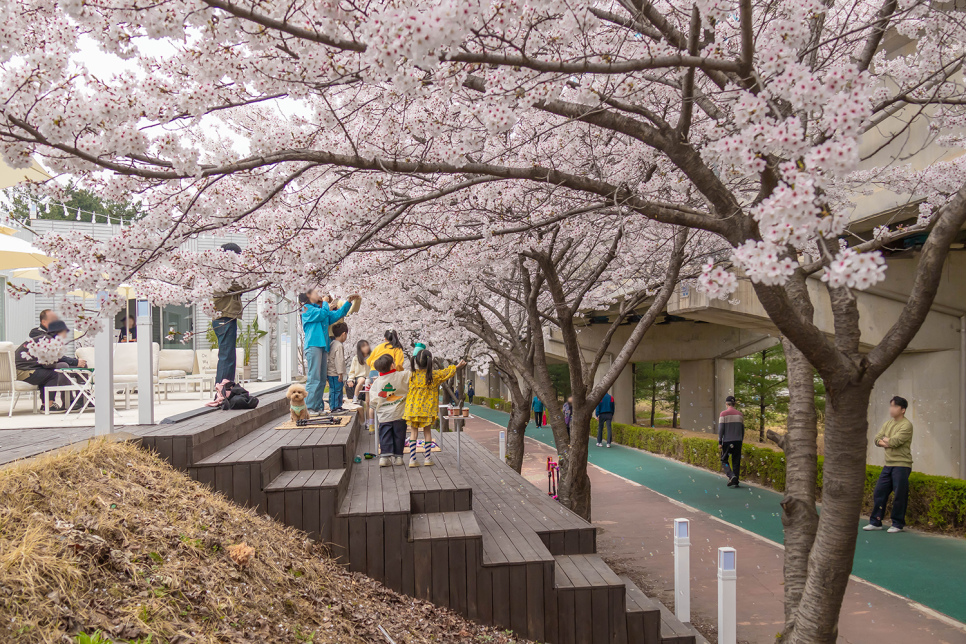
(296, 395)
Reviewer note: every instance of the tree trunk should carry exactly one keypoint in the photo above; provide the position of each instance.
(830, 561)
(800, 443)
(653, 394)
(515, 432)
(677, 400)
(578, 481)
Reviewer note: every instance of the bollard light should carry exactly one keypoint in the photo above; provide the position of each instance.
(503, 446)
(103, 385)
(727, 596)
(145, 352)
(682, 570)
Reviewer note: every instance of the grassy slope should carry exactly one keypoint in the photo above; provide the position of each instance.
(111, 538)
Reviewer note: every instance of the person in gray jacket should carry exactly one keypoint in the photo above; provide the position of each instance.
(731, 432)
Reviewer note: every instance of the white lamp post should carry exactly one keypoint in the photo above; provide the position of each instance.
(104, 377)
(503, 446)
(727, 596)
(145, 364)
(682, 570)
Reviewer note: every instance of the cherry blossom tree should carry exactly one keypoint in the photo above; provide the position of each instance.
(313, 127)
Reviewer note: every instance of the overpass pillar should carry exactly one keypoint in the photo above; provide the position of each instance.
(623, 392)
(704, 386)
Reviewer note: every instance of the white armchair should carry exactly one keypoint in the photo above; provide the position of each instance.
(125, 366)
(208, 363)
(8, 377)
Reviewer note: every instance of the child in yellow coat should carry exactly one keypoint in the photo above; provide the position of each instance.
(422, 403)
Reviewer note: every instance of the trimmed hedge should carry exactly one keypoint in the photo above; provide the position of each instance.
(493, 403)
(936, 503)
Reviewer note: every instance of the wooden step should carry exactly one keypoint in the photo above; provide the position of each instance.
(674, 631)
(643, 615)
(590, 599)
(307, 500)
(447, 548)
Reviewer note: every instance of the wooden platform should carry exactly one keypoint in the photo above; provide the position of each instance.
(478, 538)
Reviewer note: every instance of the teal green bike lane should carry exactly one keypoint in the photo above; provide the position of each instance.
(925, 568)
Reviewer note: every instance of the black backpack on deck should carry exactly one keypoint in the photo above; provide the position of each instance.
(237, 397)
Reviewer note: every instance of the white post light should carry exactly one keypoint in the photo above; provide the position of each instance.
(503, 446)
(284, 358)
(145, 364)
(727, 596)
(104, 378)
(682, 569)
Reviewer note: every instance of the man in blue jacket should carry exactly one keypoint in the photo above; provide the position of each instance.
(538, 411)
(317, 315)
(605, 415)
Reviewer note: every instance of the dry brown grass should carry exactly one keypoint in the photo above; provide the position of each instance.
(111, 538)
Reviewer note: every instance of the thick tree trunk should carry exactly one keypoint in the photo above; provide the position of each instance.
(578, 481)
(515, 432)
(830, 561)
(800, 443)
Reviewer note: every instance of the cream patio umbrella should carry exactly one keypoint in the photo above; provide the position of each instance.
(16, 253)
(12, 176)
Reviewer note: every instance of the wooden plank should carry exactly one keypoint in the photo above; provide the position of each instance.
(571, 542)
(618, 619)
(165, 448)
(311, 501)
(305, 458)
(587, 541)
(518, 599)
(464, 500)
(535, 599)
(357, 544)
(408, 563)
(447, 501)
(423, 564)
(293, 508)
(320, 458)
(206, 476)
(583, 616)
(256, 498)
(179, 455)
(457, 575)
(501, 596)
(340, 539)
(241, 484)
(567, 617)
(327, 500)
(440, 559)
(601, 615)
(393, 558)
(557, 545)
(484, 594)
(275, 502)
(223, 480)
(290, 459)
(473, 556)
(550, 624)
(375, 547)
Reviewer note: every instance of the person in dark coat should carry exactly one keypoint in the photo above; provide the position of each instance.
(47, 317)
(32, 372)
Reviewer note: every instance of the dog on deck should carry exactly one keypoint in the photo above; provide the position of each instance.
(296, 395)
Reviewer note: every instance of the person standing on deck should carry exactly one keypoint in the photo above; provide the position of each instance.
(731, 433)
(228, 304)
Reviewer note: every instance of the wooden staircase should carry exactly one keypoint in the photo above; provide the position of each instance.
(479, 539)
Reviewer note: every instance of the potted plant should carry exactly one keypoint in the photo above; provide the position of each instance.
(247, 339)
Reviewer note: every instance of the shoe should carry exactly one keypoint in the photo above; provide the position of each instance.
(337, 410)
(412, 463)
(397, 460)
(733, 482)
(383, 461)
(608, 445)
(600, 444)
(894, 530)
(870, 527)
(427, 462)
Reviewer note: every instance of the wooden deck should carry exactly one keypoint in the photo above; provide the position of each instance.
(479, 539)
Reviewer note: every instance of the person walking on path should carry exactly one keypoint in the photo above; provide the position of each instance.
(537, 407)
(228, 304)
(731, 432)
(896, 438)
(605, 416)
(568, 412)
(470, 393)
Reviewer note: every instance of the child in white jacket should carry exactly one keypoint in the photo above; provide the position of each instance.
(387, 395)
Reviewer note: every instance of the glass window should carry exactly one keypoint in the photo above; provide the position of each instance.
(176, 321)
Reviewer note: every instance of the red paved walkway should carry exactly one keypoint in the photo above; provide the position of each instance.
(634, 537)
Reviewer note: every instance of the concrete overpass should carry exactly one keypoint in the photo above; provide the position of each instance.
(708, 335)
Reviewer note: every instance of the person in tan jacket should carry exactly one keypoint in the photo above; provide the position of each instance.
(895, 438)
(228, 304)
